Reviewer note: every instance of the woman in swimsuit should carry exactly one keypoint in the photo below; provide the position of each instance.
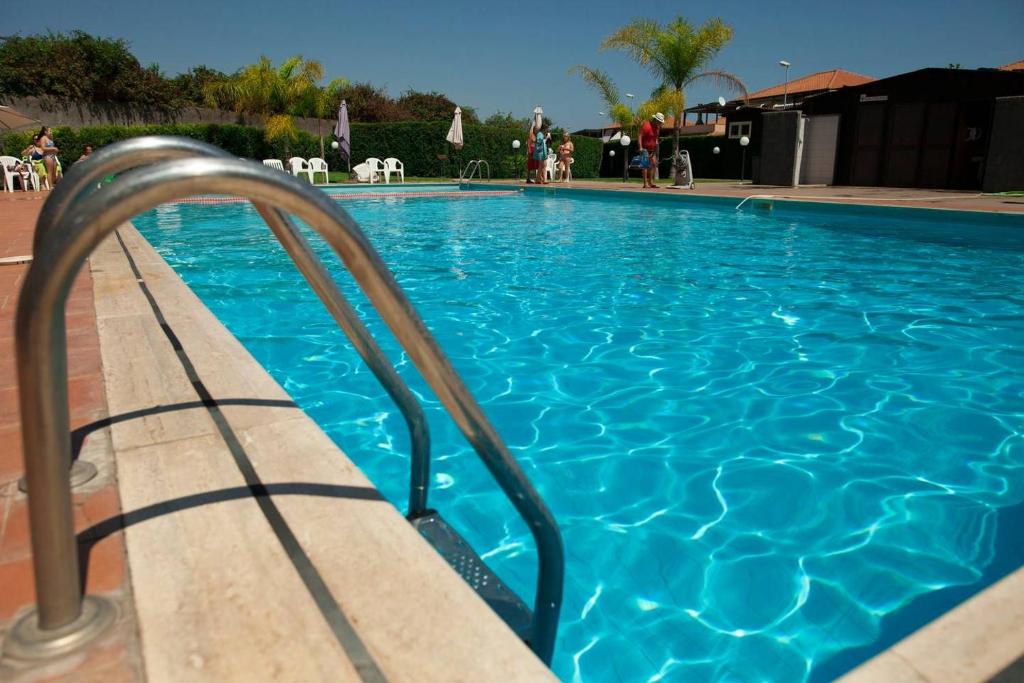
(49, 153)
(565, 151)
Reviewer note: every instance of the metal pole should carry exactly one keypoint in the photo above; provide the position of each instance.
(41, 344)
(743, 165)
(785, 89)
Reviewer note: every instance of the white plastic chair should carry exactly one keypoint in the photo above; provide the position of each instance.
(298, 165)
(274, 163)
(393, 165)
(362, 172)
(376, 167)
(318, 165)
(27, 178)
(550, 166)
(567, 174)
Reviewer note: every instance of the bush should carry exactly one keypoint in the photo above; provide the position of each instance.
(81, 68)
(417, 144)
(706, 164)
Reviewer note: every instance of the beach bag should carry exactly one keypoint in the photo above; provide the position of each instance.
(641, 161)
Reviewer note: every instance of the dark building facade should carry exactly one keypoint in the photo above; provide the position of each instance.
(931, 128)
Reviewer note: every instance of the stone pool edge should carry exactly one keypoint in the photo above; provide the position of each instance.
(413, 616)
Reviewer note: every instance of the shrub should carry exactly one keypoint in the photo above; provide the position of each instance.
(417, 144)
(80, 68)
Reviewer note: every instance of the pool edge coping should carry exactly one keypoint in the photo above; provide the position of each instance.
(975, 641)
(839, 205)
(108, 293)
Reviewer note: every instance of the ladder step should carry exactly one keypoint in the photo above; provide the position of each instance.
(464, 560)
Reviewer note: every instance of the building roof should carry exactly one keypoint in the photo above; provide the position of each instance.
(1013, 66)
(832, 79)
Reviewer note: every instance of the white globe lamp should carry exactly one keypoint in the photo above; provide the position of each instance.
(716, 150)
(744, 141)
(334, 145)
(624, 141)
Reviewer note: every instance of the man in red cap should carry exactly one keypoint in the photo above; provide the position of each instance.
(649, 143)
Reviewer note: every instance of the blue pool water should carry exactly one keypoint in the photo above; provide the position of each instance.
(767, 438)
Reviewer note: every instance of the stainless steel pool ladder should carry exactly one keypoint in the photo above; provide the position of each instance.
(474, 168)
(77, 217)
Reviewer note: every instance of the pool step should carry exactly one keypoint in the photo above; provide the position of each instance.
(464, 560)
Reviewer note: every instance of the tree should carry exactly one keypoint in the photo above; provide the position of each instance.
(677, 54)
(322, 103)
(433, 106)
(189, 87)
(506, 119)
(370, 104)
(274, 94)
(629, 120)
(80, 68)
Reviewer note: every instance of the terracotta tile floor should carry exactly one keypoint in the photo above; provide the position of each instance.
(113, 659)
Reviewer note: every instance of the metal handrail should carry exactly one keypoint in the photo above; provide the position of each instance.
(475, 164)
(128, 154)
(42, 372)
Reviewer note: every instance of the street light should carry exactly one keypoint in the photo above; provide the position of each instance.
(624, 141)
(785, 88)
(515, 146)
(744, 141)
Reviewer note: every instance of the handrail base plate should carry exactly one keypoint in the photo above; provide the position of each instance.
(26, 641)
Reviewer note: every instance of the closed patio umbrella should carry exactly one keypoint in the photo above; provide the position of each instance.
(455, 135)
(11, 119)
(455, 132)
(538, 117)
(344, 134)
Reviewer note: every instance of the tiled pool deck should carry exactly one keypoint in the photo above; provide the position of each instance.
(120, 655)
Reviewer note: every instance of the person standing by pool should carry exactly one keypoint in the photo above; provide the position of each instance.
(565, 151)
(540, 153)
(49, 152)
(86, 153)
(531, 142)
(649, 133)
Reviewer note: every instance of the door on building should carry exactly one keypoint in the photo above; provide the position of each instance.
(902, 154)
(867, 151)
(818, 163)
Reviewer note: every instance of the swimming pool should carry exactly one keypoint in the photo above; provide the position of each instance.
(774, 442)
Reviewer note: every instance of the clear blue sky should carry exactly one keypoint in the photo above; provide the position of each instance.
(511, 56)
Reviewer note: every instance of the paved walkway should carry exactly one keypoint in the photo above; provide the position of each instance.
(98, 501)
(884, 196)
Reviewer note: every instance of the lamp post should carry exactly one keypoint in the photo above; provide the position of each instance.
(515, 147)
(624, 141)
(334, 146)
(785, 88)
(744, 141)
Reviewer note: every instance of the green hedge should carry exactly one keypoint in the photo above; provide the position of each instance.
(417, 144)
(706, 164)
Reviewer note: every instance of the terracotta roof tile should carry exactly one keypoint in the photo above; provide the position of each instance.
(823, 80)
(1013, 66)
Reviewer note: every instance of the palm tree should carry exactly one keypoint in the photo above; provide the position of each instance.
(629, 120)
(322, 103)
(272, 93)
(678, 55)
